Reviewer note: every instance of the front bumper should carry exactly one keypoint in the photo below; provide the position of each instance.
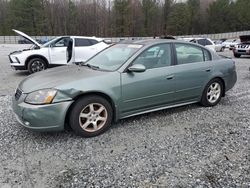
(242, 51)
(41, 117)
(16, 65)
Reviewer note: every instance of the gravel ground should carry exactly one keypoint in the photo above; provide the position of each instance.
(188, 146)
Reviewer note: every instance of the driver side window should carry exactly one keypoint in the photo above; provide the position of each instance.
(63, 42)
(155, 57)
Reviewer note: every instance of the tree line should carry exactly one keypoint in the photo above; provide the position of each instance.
(123, 18)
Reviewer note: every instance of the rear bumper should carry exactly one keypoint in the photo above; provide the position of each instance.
(41, 117)
(231, 81)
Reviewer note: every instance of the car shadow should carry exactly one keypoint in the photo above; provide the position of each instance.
(69, 133)
(155, 114)
(22, 73)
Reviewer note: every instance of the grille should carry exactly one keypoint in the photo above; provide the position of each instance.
(18, 94)
(241, 50)
(243, 46)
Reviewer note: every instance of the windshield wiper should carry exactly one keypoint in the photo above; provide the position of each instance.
(90, 66)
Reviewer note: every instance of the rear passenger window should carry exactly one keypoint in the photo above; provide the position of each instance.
(82, 42)
(202, 42)
(208, 42)
(92, 41)
(188, 54)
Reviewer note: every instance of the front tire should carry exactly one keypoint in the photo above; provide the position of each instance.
(237, 55)
(91, 116)
(212, 93)
(36, 65)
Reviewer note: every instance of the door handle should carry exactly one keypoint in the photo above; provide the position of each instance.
(170, 77)
(208, 70)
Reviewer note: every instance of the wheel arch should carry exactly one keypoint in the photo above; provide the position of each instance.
(36, 56)
(101, 94)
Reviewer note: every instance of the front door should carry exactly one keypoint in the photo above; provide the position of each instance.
(152, 88)
(58, 51)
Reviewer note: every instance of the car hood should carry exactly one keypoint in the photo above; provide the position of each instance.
(27, 37)
(56, 77)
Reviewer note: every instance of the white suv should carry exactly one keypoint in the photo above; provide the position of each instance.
(242, 48)
(59, 51)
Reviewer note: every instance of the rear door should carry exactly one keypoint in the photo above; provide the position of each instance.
(84, 49)
(192, 71)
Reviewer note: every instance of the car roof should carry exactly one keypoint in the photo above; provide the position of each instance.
(82, 37)
(151, 42)
(155, 41)
(147, 41)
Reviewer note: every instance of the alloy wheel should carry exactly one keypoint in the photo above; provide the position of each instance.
(213, 92)
(37, 66)
(93, 117)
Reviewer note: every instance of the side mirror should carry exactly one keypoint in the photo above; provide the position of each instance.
(137, 68)
(51, 45)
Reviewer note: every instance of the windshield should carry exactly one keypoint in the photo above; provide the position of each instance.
(50, 42)
(114, 57)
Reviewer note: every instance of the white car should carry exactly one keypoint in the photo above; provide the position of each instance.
(202, 41)
(59, 51)
(219, 46)
(230, 43)
(205, 42)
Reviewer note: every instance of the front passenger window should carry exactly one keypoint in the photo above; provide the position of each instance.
(155, 57)
(63, 42)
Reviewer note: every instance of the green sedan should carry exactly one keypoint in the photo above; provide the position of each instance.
(126, 79)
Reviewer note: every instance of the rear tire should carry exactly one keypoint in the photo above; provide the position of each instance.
(212, 93)
(36, 65)
(222, 49)
(91, 116)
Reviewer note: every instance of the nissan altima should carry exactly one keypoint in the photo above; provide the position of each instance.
(126, 79)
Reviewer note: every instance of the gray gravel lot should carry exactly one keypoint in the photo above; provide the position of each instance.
(190, 146)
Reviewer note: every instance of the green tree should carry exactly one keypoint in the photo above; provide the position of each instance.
(150, 13)
(219, 16)
(195, 16)
(120, 15)
(3, 17)
(166, 11)
(179, 19)
(71, 23)
(241, 14)
(26, 15)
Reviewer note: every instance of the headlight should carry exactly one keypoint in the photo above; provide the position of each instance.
(44, 96)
